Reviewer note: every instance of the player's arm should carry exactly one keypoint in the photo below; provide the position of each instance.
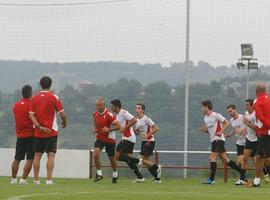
(115, 126)
(63, 117)
(225, 125)
(204, 129)
(227, 135)
(260, 115)
(249, 124)
(154, 129)
(37, 124)
(131, 122)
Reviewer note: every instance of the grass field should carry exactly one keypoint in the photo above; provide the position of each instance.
(190, 189)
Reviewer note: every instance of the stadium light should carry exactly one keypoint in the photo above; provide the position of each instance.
(247, 61)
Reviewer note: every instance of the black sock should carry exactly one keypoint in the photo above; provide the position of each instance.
(213, 169)
(153, 170)
(265, 171)
(234, 166)
(126, 158)
(135, 169)
(243, 174)
(268, 170)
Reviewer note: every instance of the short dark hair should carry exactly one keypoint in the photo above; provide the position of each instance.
(116, 102)
(27, 91)
(45, 82)
(250, 101)
(232, 106)
(207, 103)
(142, 105)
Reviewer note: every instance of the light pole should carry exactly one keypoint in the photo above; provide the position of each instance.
(247, 61)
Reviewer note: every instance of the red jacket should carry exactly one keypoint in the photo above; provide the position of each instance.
(262, 109)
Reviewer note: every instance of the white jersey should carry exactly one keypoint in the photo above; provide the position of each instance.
(251, 133)
(213, 122)
(239, 124)
(144, 125)
(123, 118)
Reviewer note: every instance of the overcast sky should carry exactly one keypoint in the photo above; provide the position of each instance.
(144, 31)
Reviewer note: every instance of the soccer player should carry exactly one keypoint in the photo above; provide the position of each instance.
(43, 112)
(105, 124)
(25, 136)
(147, 128)
(239, 130)
(262, 110)
(215, 124)
(251, 140)
(125, 147)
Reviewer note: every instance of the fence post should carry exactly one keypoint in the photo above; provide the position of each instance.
(90, 163)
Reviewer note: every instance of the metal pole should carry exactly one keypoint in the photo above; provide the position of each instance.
(247, 92)
(186, 89)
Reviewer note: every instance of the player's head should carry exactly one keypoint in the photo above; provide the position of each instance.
(261, 88)
(249, 105)
(27, 91)
(45, 82)
(116, 105)
(206, 106)
(140, 108)
(100, 105)
(231, 109)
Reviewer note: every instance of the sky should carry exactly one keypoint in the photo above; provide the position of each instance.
(143, 31)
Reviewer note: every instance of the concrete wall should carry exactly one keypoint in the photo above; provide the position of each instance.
(68, 164)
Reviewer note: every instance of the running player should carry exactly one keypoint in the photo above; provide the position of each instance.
(105, 124)
(215, 124)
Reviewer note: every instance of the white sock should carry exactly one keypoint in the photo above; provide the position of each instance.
(257, 181)
(99, 172)
(14, 179)
(115, 174)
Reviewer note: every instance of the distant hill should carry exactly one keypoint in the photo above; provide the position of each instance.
(13, 74)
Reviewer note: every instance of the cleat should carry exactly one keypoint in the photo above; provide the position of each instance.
(159, 171)
(37, 182)
(23, 182)
(114, 179)
(139, 180)
(140, 164)
(240, 182)
(266, 178)
(253, 185)
(13, 181)
(156, 181)
(98, 178)
(49, 182)
(209, 182)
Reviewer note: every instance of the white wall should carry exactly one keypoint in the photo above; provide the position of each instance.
(68, 164)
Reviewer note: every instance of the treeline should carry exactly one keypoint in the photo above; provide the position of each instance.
(164, 103)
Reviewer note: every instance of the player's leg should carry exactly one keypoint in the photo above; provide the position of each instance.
(29, 160)
(39, 150)
(229, 162)
(98, 146)
(19, 155)
(50, 149)
(110, 149)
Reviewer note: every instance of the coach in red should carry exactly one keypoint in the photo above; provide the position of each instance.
(43, 112)
(262, 109)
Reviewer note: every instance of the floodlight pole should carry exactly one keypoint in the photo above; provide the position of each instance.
(247, 90)
(186, 88)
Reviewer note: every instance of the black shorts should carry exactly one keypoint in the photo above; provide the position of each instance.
(218, 146)
(45, 144)
(263, 146)
(24, 146)
(125, 147)
(240, 149)
(147, 148)
(251, 146)
(110, 147)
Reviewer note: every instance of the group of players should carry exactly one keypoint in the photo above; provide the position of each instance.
(37, 131)
(252, 131)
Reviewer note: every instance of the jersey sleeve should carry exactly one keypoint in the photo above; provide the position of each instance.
(220, 117)
(127, 115)
(149, 121)
(111, 118)
(31, 109)
(58, 104)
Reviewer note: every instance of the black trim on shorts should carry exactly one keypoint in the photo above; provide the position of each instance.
(110, 147)
(24, 148)
(125, 147)
(218, 146)
(240, 149)
(263, 146)
(47, 145)
(147, 148)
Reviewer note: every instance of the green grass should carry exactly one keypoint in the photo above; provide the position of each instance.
(80, 189)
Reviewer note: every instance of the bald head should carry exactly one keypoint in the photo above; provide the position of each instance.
(100, 105)
(261, 88)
